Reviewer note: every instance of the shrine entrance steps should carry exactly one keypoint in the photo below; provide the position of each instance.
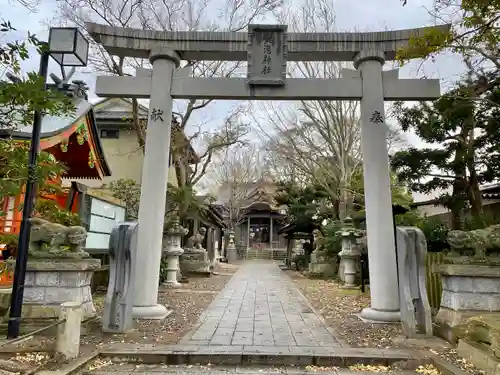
(275, 254)
(260, 323)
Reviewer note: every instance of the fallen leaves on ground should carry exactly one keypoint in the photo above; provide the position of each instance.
(339, 308)
(32, 358)
(186, 303)
(321, 368)
(98, 363)
(369, 368)
(427, 370)
(22, 363)
(452, 356)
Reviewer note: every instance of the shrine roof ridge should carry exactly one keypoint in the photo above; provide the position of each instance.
(232, 46)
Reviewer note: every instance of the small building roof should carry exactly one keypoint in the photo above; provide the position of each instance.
(210, 214)
(298, 227)
(111, 112)
(396, 210)
(73, 140)
(490, 191)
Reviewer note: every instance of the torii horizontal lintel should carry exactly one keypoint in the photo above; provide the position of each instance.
(233, 46)
(295, 89)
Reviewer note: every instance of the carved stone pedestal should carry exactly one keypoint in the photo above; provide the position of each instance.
(195, 261)
(468, 290)
(50, 282)
(319, 266)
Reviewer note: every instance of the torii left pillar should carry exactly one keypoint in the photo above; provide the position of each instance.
(154, 187)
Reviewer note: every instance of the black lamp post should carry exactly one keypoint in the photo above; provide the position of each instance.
(68, 47)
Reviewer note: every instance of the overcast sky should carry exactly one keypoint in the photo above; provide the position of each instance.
(369, 15)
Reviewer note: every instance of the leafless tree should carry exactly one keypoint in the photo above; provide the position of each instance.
(175, 15)
(234, 174)
(318, 140)
(31, 5)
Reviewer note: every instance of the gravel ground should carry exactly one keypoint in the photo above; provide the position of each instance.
(338, 307)
(187, 304)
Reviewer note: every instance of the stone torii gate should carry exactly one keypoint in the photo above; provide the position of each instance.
(267, 48)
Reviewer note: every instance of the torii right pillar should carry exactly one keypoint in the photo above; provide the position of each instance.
(378, 201)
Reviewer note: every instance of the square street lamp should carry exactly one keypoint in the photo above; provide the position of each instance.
(68, 47)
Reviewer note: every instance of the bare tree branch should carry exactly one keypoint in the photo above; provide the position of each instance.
(233, 175)
(175, 15)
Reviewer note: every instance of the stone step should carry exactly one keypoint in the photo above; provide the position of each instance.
(126, 369)
(260, 355)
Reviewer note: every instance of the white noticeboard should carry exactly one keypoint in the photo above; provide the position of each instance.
(267, 51)
(103, 218)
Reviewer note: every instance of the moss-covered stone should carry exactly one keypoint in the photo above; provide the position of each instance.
(472, 246)
(484, 329)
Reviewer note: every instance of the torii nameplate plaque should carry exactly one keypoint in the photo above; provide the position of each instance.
(267, 50)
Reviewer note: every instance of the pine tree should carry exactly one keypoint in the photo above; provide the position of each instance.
(463, 128)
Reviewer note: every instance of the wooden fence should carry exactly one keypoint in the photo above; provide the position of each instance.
(434, 286)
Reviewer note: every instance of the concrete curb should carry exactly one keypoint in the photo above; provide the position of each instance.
(255, 356)
(446, 368)
(248, 355)
(72, 366)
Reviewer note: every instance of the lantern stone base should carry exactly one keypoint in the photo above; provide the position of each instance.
(350, 261)
(195, 261)
(350, 287)
(50, 282)
(173, 269)
(468, 290)
(232, 254)
(341, 272)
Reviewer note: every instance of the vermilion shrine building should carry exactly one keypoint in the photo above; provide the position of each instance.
(73, 141)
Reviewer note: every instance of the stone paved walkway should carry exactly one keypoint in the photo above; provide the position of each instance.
(260, 306)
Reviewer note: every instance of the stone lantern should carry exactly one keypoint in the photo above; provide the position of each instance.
(173, 251)
(350, 254)
(232, 255)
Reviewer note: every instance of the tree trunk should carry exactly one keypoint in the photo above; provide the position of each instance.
(456, 206)
(336, 209)
(181, 174)
(136, 123)
(459, 193)
(474, 195)
(473, 191)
